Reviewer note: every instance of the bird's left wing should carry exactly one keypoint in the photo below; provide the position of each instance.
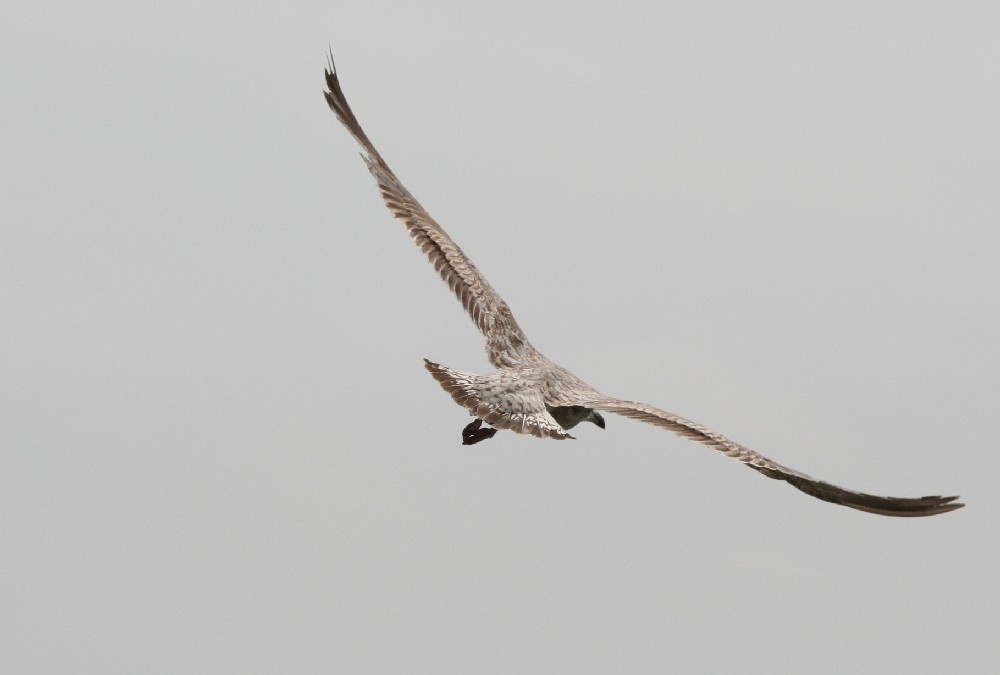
(887, 506)
(506, 344)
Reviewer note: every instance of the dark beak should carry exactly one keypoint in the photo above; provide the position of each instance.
(596, 418)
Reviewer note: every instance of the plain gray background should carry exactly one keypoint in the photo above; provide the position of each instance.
(221, 452)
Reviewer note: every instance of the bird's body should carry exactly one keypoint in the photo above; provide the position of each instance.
(530, 394)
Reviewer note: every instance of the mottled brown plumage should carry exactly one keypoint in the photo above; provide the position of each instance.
(528, 393)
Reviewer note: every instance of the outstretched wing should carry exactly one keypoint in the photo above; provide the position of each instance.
(505, 342)
(887, 506)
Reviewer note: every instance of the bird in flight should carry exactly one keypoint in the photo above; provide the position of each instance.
(528, 393)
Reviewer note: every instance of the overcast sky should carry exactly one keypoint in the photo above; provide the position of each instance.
(221, 451)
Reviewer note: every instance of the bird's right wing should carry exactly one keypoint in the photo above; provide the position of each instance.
(887, 506)
(506, 343)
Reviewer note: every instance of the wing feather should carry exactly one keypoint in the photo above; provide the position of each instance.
(887, 506)
(506, 343)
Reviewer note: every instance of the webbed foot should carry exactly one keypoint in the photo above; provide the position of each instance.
(473, 432)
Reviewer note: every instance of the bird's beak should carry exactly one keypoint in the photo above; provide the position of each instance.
(596, 418)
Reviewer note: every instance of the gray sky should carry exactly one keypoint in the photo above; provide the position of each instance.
(221, 452)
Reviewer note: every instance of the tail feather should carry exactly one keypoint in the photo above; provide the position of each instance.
(503, 399)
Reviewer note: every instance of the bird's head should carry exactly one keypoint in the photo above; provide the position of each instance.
(596, 417)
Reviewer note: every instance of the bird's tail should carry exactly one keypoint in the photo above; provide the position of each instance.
(504, 399)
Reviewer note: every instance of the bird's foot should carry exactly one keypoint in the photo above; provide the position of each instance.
(473, 432)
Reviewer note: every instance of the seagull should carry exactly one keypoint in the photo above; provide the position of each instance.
(530, 394)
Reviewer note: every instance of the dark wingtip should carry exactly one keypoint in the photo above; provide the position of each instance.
(904, 507)
(330, 73)
(331, 69)
(924, 506)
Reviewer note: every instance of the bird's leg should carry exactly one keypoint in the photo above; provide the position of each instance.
(473, 432)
